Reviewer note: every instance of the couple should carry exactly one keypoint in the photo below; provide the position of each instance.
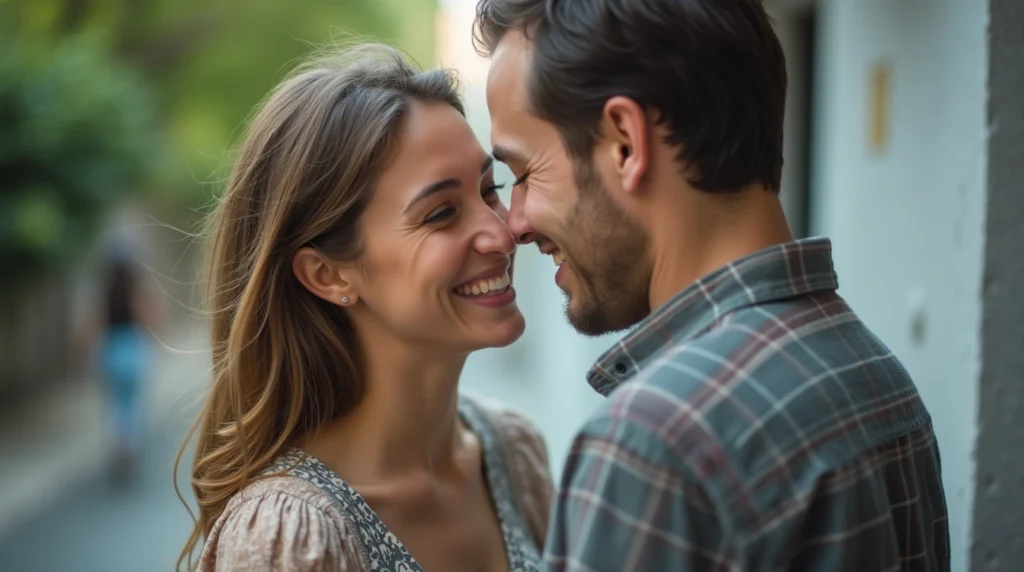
(361, 252)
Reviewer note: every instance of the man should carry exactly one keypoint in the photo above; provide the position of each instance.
(753, 422)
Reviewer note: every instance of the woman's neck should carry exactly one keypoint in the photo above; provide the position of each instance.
(407, 421)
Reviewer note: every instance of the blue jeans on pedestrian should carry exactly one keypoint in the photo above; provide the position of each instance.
(125, 360)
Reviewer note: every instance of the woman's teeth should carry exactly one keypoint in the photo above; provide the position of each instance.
(482, 287)
(558, 257)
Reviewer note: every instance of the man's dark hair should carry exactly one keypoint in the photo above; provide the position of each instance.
(712, 70)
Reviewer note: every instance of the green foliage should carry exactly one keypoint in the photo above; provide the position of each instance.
(77, 133)
(242, 53)
(103, 98)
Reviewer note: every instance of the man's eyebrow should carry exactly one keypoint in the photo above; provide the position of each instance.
(507, 156)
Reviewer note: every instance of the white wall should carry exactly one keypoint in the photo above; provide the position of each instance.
(907, 224)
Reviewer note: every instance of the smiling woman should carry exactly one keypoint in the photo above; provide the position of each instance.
(359, 254)
(436, 223)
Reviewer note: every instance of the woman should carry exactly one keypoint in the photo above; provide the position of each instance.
(359, 255)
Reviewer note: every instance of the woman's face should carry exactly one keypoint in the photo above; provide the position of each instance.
(437, 256)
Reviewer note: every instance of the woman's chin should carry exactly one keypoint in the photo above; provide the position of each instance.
(503, 333)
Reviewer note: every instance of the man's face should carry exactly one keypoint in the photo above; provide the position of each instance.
(565, 206)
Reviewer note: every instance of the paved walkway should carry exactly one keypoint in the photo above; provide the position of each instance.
(58, 509)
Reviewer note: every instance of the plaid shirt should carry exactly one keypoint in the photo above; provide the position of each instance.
(753, 423)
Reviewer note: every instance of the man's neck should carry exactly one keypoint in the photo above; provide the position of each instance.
(749, 222)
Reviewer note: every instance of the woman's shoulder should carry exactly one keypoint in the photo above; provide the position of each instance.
(281, 522)
(298, 491)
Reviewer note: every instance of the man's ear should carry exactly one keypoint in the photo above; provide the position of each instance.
(323, 277)
(625, 129)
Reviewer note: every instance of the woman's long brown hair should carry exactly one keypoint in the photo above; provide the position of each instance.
(284, 361)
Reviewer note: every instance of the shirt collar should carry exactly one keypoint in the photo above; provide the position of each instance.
(781, 271)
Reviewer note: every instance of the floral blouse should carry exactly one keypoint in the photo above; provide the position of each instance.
(310, 520)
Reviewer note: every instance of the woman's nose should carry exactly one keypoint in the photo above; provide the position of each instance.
(494, 235)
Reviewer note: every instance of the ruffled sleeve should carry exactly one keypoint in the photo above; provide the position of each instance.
(282, 524)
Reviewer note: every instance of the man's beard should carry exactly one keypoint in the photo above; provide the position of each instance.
(608, 254)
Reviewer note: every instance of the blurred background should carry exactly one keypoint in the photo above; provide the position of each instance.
(116, 121)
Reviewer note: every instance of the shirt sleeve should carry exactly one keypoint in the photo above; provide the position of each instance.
(278, 531)
(624, 504)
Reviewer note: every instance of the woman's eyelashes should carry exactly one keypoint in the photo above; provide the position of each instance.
(444, 213)
(490, 193)
(440, 215)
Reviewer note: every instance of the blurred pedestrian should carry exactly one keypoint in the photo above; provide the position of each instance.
(124, 319)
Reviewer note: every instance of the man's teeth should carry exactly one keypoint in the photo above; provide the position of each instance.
(481, 287)
(558, 257)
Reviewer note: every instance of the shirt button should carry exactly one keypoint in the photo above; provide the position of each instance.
(620, 368)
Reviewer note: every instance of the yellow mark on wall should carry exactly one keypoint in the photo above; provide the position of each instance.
(880, 106)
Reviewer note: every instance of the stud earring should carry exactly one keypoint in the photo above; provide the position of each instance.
(344, 299)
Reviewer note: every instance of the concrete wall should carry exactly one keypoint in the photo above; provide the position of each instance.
(997, 542)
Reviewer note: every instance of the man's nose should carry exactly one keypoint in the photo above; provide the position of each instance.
(516, 219)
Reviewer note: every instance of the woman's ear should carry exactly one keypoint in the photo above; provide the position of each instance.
(323, 277)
